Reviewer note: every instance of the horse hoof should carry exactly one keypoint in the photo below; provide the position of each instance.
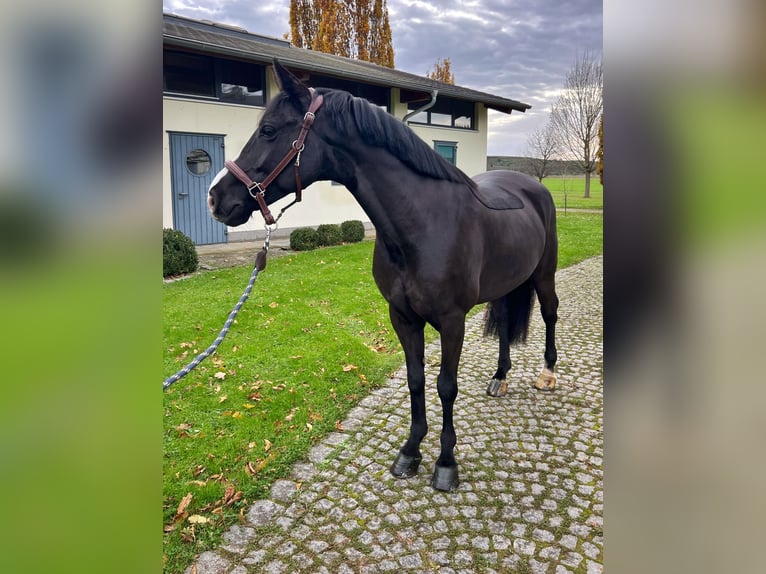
(445, 478)
(497, 388)
(546, 381)
(405, 466)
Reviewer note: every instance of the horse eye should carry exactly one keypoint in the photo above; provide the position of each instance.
(268, 131)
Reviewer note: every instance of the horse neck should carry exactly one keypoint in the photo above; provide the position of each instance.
(395, 198)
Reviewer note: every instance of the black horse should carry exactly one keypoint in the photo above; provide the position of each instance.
(444, 242)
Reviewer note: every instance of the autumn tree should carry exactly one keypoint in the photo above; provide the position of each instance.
(576, 114)
(352, 28)
(542, 146)
(442, 72)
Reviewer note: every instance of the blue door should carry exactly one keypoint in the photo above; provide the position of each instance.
(195, 159)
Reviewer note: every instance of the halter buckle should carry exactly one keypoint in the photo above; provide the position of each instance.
(255, 185)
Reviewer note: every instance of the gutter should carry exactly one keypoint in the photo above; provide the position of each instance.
(425, 107)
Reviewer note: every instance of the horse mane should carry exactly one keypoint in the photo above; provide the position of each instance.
(380, 129)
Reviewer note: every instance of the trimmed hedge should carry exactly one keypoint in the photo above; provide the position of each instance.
(329, 234)
(178, 253)
(352, 231)
(304, 239)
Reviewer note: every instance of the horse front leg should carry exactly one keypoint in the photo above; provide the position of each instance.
(445, 475)
(409, 329)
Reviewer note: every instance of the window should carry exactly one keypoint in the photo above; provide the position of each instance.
(448, 150)
(188, 74)
(198, 162)
(445, 112)
(377, 95)
(201, 76)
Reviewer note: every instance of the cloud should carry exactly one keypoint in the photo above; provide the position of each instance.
(518, 49)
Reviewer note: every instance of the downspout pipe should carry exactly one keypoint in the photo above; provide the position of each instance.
(425, 107)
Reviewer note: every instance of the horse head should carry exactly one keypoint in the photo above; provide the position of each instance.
(267, 159)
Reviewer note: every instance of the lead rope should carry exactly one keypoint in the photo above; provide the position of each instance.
(260, 265)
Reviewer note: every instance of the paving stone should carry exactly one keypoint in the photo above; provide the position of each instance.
(210, 563)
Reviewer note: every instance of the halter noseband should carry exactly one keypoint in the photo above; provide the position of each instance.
(295, 150)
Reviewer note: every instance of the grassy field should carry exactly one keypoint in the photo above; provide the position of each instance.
(574, 189)
(313, 339)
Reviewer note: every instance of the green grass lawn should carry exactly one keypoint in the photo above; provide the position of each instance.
(573, 187)
(313, 339)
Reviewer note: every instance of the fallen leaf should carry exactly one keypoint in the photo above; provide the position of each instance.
(198, 519)
(222, 398)
(266, 445)
(347, 368)
(248, 406)
(251, 445)
(234, 349)
(273, 304)
(254, 396)
(184, 503)
(291, 414)
(220, 375)
(198, 482)
(183, 426)
(279, 387)
(309, 426)
(339, 426)
(237, 415)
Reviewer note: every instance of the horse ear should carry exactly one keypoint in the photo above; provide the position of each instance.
(292, 86)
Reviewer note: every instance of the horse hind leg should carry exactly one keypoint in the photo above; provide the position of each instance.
(508, 318)
(496, 323)
(549, 303)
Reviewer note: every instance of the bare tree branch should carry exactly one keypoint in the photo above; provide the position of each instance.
(542, 147)
(576, 114)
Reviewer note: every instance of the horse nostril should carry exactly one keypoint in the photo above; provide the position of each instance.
(210, 201)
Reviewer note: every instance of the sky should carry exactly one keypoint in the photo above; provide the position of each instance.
(517, 49)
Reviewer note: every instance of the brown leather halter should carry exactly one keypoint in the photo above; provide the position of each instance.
(295, 150)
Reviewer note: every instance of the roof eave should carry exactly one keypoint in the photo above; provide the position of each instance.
(289, 61)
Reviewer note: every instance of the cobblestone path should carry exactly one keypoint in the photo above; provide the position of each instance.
(531, 492)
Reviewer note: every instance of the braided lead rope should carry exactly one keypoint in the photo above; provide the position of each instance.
(260, 264)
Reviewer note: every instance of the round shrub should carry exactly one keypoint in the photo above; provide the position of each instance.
(178, 253)
(329, 234)
(304, 239)
(352, 231)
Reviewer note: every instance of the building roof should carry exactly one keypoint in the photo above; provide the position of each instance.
(221, 39)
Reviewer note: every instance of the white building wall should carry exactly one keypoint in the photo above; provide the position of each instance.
(322, 202)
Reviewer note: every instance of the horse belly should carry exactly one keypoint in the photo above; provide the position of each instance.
(509, 259)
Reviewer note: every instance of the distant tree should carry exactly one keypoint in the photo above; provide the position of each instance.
(542, 146)
(576, 114)
(600, 152)
(352, 28)
(442, 71)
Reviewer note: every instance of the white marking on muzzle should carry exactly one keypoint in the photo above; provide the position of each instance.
(216, 179)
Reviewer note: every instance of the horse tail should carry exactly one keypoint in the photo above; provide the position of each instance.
(512, 312)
